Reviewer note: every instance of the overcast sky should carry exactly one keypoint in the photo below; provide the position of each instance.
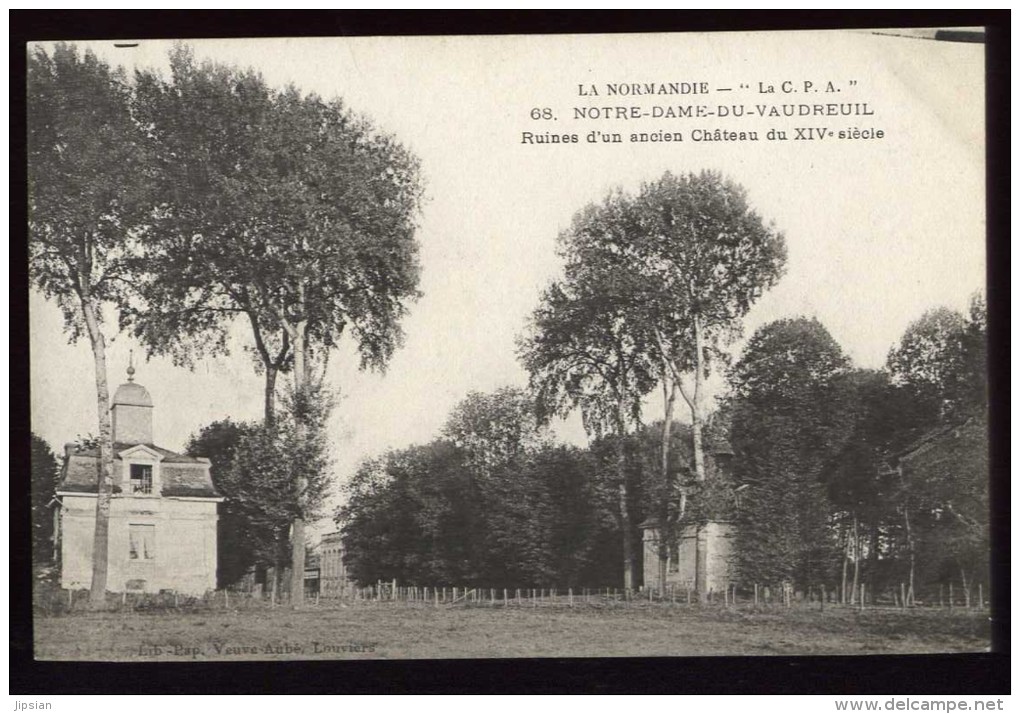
(877, 231)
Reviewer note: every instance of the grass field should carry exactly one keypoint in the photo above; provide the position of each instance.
(401, 630)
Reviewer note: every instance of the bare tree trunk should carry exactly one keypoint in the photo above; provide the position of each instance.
(629, 574)
(696, 424)
(666, 530)
(857, 558)
(297, 557)
(910, 547)
(701, 556)
(628, 537)
(297, 543)
(277, 572)
(966, 587)
(104, 486)
(846, 559)
(873, 554)
(269, 415)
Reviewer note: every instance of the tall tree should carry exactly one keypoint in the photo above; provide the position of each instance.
(688, 259)
(580, 353)
(789, 419)
(679, 263)
(85, 169)
(942, 361)
(284, 208)
(45, 474)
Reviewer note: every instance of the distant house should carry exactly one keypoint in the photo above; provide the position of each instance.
(333, 578)
(701, 558)
(162, 515)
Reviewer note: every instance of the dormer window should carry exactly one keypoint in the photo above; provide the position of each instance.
(141, 479)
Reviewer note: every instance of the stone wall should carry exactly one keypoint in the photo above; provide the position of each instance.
(718, 540)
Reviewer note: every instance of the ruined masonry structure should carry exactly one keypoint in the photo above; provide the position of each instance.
(702, 558)
(162, 515)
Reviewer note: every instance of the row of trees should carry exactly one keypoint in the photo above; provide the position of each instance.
(826, 453)
(195, 202)
(492, 501)
(812, 487)
(654, 287)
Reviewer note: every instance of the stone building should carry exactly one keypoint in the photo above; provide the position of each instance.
(162, 514)
(333, 579)
(702, 557)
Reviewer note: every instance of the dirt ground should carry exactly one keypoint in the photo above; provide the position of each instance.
(402, 630)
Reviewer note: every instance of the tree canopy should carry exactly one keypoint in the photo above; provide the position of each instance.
(273, 205)
(84, 162)
(942, 361)
(789, 419)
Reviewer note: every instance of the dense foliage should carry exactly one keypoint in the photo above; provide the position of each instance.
(256, 467)
(45, 474)
(788, 420)
(857, 476)
(492, 504)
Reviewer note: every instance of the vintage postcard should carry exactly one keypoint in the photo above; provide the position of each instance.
(629, 345)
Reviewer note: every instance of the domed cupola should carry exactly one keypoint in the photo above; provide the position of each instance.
(132, 411)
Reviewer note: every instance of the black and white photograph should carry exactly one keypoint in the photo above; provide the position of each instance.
(509, 346)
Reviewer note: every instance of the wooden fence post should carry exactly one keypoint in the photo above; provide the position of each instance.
(981, 597)
(950, 594)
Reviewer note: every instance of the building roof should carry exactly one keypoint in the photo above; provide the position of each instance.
(168, 457)
(940, 437)
(132, 394)
(181, 475)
